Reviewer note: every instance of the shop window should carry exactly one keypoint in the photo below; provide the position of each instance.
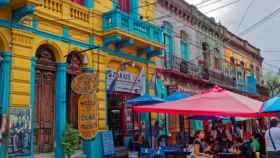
(81, 2)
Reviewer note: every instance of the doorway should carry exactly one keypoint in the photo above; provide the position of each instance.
(45, 99)
(74, 65)
(119, 116)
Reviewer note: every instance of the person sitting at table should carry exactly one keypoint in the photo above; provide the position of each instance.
(255, 145)
(235, 146)
(182, 138)
(198, 151)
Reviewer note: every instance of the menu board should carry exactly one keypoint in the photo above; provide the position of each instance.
(108, 143)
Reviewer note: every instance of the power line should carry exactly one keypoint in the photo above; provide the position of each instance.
(203, 2)
(245, 14)
(215, 2)
(222, 7)
(262, 21)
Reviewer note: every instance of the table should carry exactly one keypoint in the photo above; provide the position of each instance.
(226, 155)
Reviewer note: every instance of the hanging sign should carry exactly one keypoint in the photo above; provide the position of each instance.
(88, 116)
(126, 81)
(85, 83)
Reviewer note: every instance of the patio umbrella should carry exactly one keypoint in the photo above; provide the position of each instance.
(177, 96)
(215, 102)
(272, 105)
(144, 100)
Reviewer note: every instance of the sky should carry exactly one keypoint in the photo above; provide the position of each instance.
(265, 36)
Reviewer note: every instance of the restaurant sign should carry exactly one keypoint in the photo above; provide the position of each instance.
(126, 81)
(85, 83)
(88, 116)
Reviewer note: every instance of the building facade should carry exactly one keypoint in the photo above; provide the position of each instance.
(46, 44)
(197, 56)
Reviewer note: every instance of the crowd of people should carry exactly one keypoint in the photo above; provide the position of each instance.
(226, 140)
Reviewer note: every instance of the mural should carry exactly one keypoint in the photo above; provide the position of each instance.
(20, 132)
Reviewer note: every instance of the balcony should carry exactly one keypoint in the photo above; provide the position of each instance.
(180, 65)
(216, 77)
(80, 16)
(144, 34)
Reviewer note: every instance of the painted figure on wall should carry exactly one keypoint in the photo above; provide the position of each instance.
(20, 132)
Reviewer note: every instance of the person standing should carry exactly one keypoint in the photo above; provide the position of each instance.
(272, 139)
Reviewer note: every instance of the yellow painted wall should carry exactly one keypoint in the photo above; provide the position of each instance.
(52, 19)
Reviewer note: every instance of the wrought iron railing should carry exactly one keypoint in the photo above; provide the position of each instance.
(188, 68)
(217, 77)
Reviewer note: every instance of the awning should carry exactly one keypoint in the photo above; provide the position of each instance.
(215, 102)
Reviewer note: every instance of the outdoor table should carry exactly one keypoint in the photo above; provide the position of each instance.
(173, 151)
(226, 155)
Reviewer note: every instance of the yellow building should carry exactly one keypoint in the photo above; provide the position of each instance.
(243, 62)
(45, 44)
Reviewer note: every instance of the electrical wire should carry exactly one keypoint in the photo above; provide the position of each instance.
(260, 22)
(245, 14)
(222, 7)
(214, 2)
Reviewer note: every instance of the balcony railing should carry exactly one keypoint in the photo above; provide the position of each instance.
(217, 77)
(185, 67)
(116, 19)
(65, 9)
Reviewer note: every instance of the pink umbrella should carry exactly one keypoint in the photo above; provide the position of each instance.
(215, 102)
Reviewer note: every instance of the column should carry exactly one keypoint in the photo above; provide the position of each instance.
(32, 100)
(88, 3)
(5, 94)
(60, 108)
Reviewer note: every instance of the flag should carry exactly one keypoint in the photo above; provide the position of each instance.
(142, 78)
(155, 83)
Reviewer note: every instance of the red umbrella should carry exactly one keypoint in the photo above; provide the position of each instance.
(215, 102)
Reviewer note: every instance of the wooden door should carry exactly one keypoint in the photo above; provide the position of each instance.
(44, 101)
(74, 65)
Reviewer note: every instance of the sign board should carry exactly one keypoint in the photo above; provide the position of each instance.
(20, 132)
(108, 143)
(88, 116)
(126, 81)
(85, 83)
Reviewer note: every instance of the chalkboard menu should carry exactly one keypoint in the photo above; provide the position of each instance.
(108, 143)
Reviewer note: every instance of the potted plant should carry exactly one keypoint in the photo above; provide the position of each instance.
(70, 141)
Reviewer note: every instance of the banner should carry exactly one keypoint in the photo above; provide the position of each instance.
(126, 82)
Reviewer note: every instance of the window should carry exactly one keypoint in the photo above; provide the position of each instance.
(184, 46)
(124, 5)
(81, 2)
(217, 64)
(168, 42)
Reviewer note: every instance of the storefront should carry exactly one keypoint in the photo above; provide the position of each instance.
(123, 84)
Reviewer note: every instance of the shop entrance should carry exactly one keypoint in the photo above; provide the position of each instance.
(73, 68)
(45, 99)
(120, 117)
